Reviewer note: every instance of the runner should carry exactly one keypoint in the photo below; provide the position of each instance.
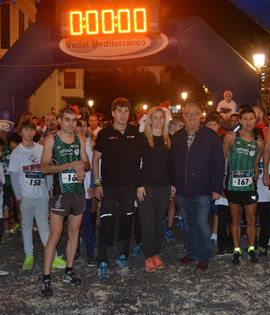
(69, 164)
(31, 189)
(244, 150)
(116, 147)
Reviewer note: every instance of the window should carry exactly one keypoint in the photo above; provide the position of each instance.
(70, 80)
(5, 26)
(21, 23)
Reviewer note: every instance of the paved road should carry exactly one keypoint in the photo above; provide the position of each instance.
(223, 289)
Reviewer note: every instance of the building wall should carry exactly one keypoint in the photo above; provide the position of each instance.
(52, 93)
(28, 8)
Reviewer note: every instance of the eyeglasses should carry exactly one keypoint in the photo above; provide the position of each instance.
(188, 114)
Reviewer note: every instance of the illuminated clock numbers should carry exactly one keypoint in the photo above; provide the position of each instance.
(108, 26)
(108, 22)
(140, 24)
(124, 21)
(76, 27)
(92, 22)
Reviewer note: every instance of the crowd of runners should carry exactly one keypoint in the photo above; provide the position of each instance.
(142, 173)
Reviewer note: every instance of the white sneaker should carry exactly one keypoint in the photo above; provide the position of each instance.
(3, 273)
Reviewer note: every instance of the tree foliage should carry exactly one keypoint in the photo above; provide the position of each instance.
(138, 85)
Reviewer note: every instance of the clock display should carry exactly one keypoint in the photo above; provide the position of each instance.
(109, 22)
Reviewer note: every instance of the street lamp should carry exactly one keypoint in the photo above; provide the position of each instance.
(91, 103)
(210, 103)
(145, 107)
(184, 96)
(259, 63)
(259, 60)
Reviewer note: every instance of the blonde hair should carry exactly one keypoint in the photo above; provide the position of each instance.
(148, 131)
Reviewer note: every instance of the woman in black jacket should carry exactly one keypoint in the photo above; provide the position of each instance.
(155, 185)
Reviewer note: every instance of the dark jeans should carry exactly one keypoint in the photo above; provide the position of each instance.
(152, 211)
(224, 220)
(264, 215)
(116, 198)
(88, 229)
(195, 211)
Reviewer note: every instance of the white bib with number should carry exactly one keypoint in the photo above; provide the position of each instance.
(33, 179)
(242, 182)
(69, 178)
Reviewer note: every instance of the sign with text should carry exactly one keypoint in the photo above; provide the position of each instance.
(117, 47)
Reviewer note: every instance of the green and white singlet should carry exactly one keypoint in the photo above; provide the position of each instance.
(240, 165)
(66, 182)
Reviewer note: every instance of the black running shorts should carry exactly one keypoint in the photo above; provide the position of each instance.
(243, 198)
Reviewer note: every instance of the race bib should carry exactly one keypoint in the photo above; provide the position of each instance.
(69, 177)
(33, 179)
(242, 179)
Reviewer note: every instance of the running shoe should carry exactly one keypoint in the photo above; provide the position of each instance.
(262, 251)
(136, 250)
(46, 288)
(236, 258)
(150, 265)
(229, 250)
(91, 261)
(158, 262)
(169, 235)
(16, 228)
(252, 256)
(59, 263)
(28, 263)
(103, 272)
(122, 265)
(69, 277)
(3, 273)
(180, 223)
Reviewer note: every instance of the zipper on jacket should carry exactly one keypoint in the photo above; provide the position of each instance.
(186, 170)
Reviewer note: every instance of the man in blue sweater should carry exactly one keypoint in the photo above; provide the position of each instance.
(199, 169)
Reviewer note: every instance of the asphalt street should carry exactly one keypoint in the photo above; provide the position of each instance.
(222, 289)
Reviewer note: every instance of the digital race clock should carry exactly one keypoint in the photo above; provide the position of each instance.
(100, 22)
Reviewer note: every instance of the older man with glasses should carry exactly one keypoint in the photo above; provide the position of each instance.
(199, 170)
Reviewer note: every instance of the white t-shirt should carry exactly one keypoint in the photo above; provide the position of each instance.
(226, 109)
(26, 161)
(263, 191)
(2, 182)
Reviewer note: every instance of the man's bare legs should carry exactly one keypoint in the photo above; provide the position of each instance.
(56, 228)
(74, 223)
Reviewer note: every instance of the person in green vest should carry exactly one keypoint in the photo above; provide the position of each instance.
(242, 151)
(65, 157)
